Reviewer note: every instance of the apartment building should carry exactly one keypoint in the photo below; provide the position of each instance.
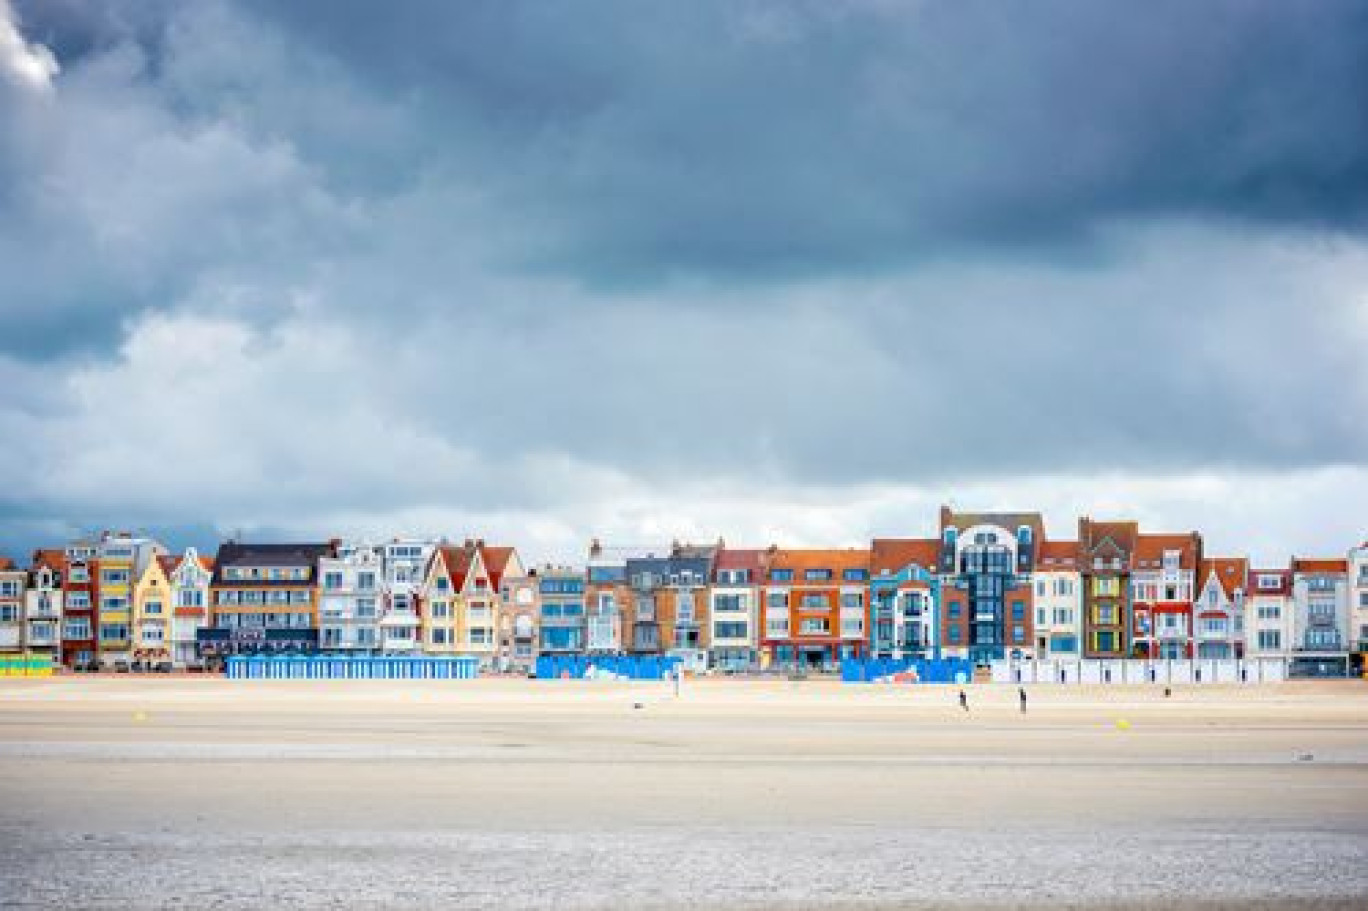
(1219, 610)
(1269, 613)
(78, 604)
(43, 605)
(263, 599)
(152, 613)
(120, 560)
(349, 597)
(815, 607)
(1321, 616)
(607, 595)
(561, 608)
(189, 578)
(1058, 600)
(13, 583)
(1358, 602)
(734, 608)
(517, 609)
(903, 593)
(1106, 552)
(668, 603)
(1163, 580)
(986, 562)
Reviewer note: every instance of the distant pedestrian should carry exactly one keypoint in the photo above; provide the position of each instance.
(1168, 691)
(964, 701)
(1021, 691)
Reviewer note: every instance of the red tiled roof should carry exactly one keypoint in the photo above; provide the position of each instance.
(1319, 565)
(891, 555)
(1231, 572)
(1149, 549)
(495, 561)
(834, 560)
(52, 558)
(1057, 555)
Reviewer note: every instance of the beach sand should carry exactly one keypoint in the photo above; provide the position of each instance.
(206, 793)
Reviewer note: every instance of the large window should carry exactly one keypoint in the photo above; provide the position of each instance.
(730, 630)
(729, 603)
(1270, 639)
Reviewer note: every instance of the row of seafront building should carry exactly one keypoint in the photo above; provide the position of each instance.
(989, 586)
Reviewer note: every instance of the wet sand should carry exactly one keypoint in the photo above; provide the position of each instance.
(206, 793)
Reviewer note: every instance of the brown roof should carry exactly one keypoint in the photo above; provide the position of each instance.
(6, 564)
(1092, 534)
(1149, 549)
(834, 560)
(740, 558)
(52, 558)
(1231, 572)
(457, 560)
(168, 562)
(1318, 565)
(1008, 520)
(1284, 578)
(1057, 555)
(891, 555)
(495, 561)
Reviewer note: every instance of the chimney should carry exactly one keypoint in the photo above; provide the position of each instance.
(595, 549)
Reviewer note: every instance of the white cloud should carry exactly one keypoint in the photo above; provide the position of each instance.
(31, 66)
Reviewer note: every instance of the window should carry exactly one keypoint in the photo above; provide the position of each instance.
(776, 627)
(1040, 616)
(852, 626)
(479, 636)
(1018, 634)
(77, 628)
(955, 610)
(814, 626)
(365, 636)
(1269, 611)
(1105, 614)
(114, 577)
(78, 601)
(954, 635)
(152, 607)
(1018, 610)
(1104, 641)
(440, 636)
(817, 575)
(777, 601)
(1063, 616)
(153, 633)
(855, 575)
(365, 608)
(729, 603)
(9, 589)
(190, 597)
(781, 575)
(9, 613)
(441, 610)
(1270, 639)
(1064, 644)
(562, 638)
(1323, 638)
(113, 604)
(113, 632)
(730, 630)
(852, 601)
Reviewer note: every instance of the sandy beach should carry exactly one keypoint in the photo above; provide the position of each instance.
(184, 792)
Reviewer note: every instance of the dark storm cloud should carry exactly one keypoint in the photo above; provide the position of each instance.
(759, 138)
(658, 245)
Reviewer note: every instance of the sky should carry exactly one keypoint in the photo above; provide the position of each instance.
(790, 273)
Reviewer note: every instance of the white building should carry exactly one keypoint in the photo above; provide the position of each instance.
(349, 599)
(733, 609)
(1058, 601)
(405, 563)
(1218, 612)
(43, 605)
(189, 583)
(13, 581)
(1268, 613)
(1358, 598)
(1321, 616)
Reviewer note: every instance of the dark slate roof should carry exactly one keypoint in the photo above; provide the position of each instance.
(268, 555)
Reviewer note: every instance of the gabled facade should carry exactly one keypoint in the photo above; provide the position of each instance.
(815, 607)
(264, 599)
(120, 560)
(349, 598)
(13, 582)
(438, 599)
(986, 561)
(1163, 583)
(734, 608)
(1058, 600)
(43, 605)
(152, 613)
(1106, 552)
(1269, 613)
(517, 609)
(560, 602)
(189, 577)
(478, 608)
(1320, 599)
(1218, 614)
(904, 590)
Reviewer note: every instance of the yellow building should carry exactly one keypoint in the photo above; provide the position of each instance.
(119, 561)
(151, 627)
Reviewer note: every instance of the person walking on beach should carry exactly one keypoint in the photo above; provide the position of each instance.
(1021, 690)
(964, 701)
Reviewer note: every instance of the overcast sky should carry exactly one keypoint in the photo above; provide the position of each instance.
(782, 272)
